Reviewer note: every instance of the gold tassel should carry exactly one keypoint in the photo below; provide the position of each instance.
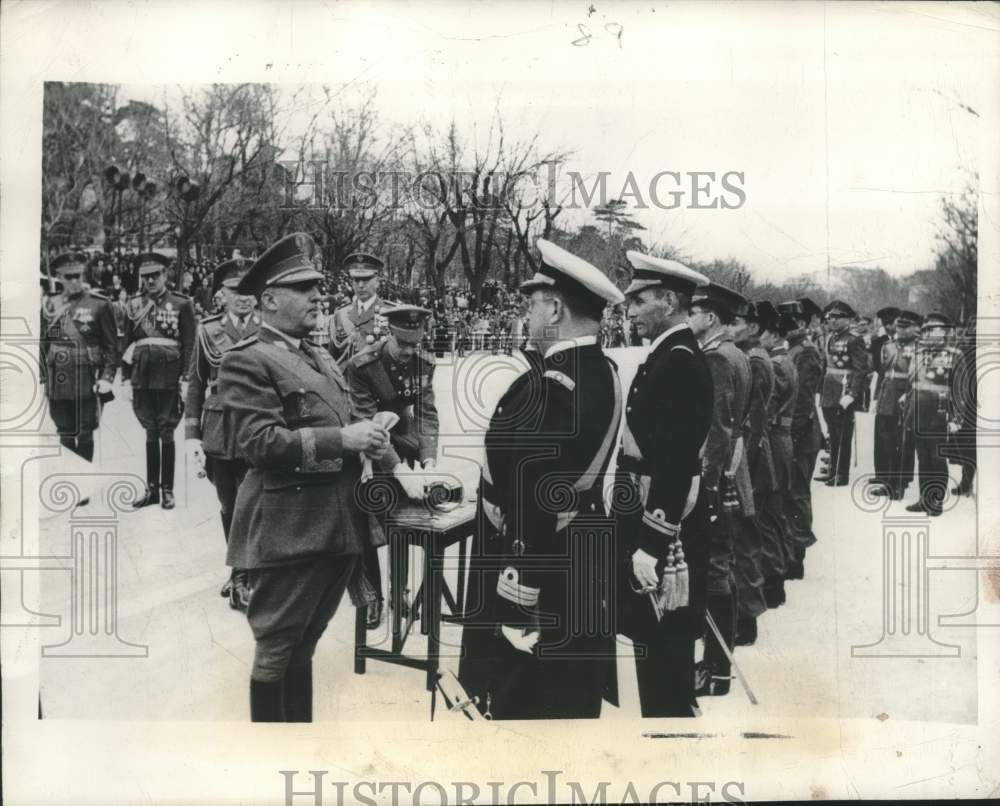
(683, 581)
(669, 583)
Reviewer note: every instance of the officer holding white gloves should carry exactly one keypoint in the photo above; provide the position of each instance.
(394, 374)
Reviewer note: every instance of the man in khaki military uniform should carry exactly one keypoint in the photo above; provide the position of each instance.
(359, 323)
(208, 432)
(159, 338)
(297, 526)
(395, 374)
(79, 355)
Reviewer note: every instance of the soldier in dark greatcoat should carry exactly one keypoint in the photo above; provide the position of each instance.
(297, 527)
(208, 433)
(780, 419)
(79, 355)
(757, 450)
(938, 375)
(713, 308)
(893, 453)
(662, 523)
(395, 374)
(159, 342)
(806, 433)
(539, 641)
(843, 386)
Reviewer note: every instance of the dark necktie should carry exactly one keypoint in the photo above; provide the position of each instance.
(310, 355)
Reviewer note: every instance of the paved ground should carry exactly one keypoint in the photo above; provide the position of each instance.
(170, 568)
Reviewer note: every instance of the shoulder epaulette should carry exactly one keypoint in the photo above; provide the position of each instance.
(368, 355)
(179, 294)
(561, 377)
(683, 347)
(215, 317)
(339, 308)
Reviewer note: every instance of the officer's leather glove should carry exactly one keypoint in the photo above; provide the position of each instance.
(412, 481)
(644, 569)
(519, 638)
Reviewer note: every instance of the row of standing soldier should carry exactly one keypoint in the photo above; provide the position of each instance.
(693, 519)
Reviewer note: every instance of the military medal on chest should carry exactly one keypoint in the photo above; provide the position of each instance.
(84, 319)
(166, 319)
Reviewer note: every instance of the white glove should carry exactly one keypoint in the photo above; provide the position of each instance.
(184, 390)
(954, 428)
(194, 449)
(644, 569)
(520, 639)
(846, 401)
(127, 390)
(103, 386)
(412, 481)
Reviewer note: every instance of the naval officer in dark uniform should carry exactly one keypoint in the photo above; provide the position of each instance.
(209, 438)
(539, 640)
(395, 374)
(79, 355)
(297, 527)
(667, 417)
(159, 341)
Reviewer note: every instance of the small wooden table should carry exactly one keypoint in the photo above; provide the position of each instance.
(416, 524)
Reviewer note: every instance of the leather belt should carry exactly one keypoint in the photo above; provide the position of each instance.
(838, 370)
(781, 422)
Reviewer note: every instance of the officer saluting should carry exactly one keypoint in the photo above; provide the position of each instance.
(843, 386)
(79, 355)
(358, 323)
(395, 374)
(297, 526)
(541, 643)
(208, 435)
(668, 414)
(159, 339)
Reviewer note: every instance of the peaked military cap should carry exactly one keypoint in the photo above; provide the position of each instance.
(229, 273)
(839, 308)
(722, 299)
(651, 272)
(809, 308)
(792, 307)
(905, 318)
(767, 316)
(888, 314)
(286, 262)
(362, 266)
(69, 263)
(407, 320)
(151, 263)
(936, 319)
(561, 270)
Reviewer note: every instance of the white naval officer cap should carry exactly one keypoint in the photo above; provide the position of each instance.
(649, 272)
(562, 271)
